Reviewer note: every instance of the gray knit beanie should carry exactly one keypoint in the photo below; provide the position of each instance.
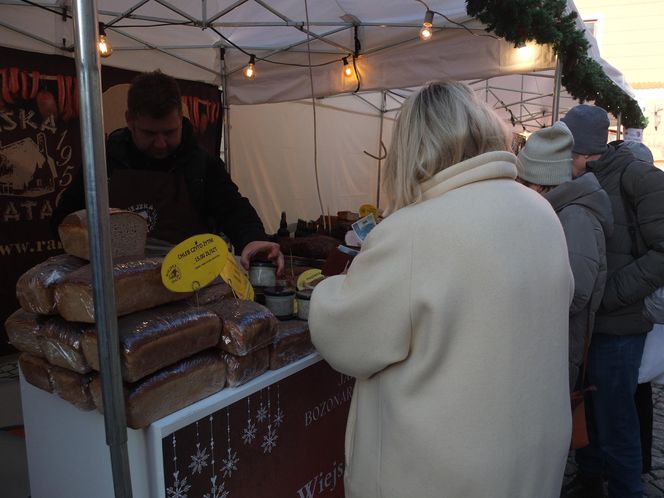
(546, 159)
(589, 125)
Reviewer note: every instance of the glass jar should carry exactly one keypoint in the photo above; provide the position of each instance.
(303, 297)
(262, 274)
(280, 301)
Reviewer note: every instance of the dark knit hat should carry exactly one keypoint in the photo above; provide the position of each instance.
(589, 125)
(546, 159)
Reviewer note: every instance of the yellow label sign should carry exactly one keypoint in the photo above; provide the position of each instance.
(237, 278)
(194, 263)
(367, 209)
(307, 277)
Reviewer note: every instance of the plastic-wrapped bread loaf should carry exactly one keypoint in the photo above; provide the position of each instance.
(128, 234)
(36, 371)
(61, 343)
(214, 292)
(22, 328)
(169, 389)
(247, 326)
(158, 337)
(292, 342)
(35, 288)
(73, 387)
(138, 286)
(241, 369)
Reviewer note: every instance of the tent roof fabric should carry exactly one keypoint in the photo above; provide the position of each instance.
(185, 39)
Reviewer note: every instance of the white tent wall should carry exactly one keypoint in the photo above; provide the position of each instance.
(273, 157)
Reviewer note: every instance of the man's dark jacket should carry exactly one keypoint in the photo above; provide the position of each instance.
(214, 195)
(635, 261)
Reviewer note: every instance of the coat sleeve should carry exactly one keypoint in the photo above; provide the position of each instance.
(643, 184)
(361, 322)
(584, 254)
(232, 212)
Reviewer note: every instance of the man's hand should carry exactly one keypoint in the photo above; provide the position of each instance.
(271, 249)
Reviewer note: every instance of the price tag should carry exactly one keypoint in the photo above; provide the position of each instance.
(194, 263)
(308, 277)
(237, 278)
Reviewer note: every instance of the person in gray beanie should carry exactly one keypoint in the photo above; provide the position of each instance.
(584, 210)
(635, 257)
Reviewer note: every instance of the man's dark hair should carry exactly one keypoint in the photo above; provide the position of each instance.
(154, 94)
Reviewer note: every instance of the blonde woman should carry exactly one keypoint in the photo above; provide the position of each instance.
(453, 318)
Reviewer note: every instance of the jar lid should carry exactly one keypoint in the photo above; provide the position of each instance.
(263, 264)
(303, 294)
(278, 291)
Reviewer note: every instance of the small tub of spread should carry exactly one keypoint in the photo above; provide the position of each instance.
(280, 301)
(262, 274)
(303, 297)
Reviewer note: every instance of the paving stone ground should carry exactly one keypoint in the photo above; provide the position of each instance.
(653, 480)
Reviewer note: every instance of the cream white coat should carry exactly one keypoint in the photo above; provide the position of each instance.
(454, 320)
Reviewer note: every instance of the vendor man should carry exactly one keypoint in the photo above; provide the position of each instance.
(156, 168)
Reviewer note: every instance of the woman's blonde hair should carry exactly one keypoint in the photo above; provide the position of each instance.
(440, 125)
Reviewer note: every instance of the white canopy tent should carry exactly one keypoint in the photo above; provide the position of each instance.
(272, 146)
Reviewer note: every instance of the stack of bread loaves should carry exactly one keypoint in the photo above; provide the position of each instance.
(176, 348)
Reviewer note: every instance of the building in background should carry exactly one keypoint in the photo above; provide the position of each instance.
(629, 35)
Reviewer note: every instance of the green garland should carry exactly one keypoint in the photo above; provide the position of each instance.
(545, 22)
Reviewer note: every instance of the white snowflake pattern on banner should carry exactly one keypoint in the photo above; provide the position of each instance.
(261, 413)
(269, 440)
(216, 491)
(199, 460)
(249, 432)
(278, 418)
(179, 488)
(229, 464)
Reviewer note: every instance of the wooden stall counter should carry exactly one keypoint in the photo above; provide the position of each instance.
(280, 435)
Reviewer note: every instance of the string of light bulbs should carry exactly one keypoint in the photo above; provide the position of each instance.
(426, 31)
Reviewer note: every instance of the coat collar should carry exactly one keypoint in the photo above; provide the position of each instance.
(488, 166)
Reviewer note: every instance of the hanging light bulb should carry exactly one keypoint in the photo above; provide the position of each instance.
(348, 69)
(250, 71)
(427, 32)
(104, 47)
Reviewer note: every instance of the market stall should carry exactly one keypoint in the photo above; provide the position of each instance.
(299, 50)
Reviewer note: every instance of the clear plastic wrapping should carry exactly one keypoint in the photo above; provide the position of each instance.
(158, 337)
(22, 328)
(214, 292)
(169, 389)
(292, 342)
(241, 369)
(60, 342)
(73, 387)
(36, 287)
(138, 286)
(247, 326)
(36, 371)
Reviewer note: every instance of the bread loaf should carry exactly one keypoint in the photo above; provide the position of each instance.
(73, 387)
(169, 389)
(158, 337)
(138, 287)
(128, 234)
(22, 328)
(36, 371)
(241, 369)
(292, 342)
(246, 325)
(35, 288)
(60, 341)
(214, 292)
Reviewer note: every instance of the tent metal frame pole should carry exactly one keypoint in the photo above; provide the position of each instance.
(383, 106)
(96, 202)
(555, 108)
(227, 115)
